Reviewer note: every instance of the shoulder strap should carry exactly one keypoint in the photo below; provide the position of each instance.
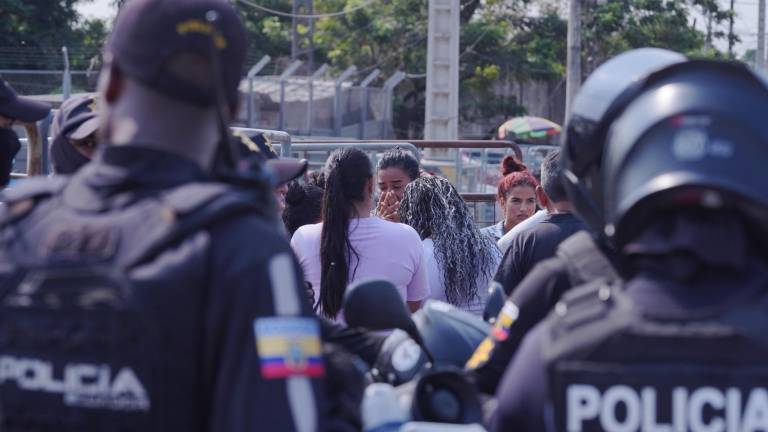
(584, 260)
(585, 315)
(188, 209)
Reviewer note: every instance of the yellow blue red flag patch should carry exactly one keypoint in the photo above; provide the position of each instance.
(288, 347)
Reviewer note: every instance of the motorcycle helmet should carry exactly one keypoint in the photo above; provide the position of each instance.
(693, 136)
(602, 98)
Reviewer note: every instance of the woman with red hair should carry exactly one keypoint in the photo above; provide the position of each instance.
(516, 196)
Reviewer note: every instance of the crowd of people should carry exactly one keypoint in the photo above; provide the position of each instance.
(171, 275)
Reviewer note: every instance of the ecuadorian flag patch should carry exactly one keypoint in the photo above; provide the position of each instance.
(288, 347)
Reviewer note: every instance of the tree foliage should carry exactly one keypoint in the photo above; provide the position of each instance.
(33, 32)
(503, 42)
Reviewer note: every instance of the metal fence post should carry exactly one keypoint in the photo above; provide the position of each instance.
(389, 88)
(364, 104)
(66, 80)
(286, 74)
(337, 97)
(310, 103)
(251, 77)
(45, 129)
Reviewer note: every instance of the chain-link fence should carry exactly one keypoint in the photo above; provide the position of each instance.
(302, 106)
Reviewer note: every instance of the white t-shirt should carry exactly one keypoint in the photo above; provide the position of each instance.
(437, 282)
(506, 240)
(387, 250)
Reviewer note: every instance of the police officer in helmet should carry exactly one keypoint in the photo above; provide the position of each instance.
(584, 256)
(140, 294)
(680, 194)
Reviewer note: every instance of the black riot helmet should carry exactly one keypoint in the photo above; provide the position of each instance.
(694, 135)
(602, 98)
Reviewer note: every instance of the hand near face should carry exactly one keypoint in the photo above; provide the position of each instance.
(389, 207)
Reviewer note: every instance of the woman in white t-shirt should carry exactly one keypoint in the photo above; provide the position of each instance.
(461, 261)
(351, 245)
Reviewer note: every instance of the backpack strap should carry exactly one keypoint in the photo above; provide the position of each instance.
(584, 260)
(187, 209)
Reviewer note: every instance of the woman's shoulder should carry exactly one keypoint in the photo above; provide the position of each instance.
(400, 229)
(307, 233)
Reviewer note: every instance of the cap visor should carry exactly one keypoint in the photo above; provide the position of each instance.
(87, 127)
(287, 169)
(25, 110)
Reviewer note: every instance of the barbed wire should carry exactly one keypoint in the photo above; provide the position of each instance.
(312, 16)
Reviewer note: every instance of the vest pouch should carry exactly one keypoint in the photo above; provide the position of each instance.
(74, 354)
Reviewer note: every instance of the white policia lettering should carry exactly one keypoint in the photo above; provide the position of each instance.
(586, 403)
(81, 384)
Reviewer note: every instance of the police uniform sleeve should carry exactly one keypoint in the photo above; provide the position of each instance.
(522, 395)
(528, 305)
(263, 349)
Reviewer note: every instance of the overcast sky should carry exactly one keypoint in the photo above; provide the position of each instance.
(745, 25)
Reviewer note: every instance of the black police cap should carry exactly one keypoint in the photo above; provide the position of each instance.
(153, 39)
(20, 108)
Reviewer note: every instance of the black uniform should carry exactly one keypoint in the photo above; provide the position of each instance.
(218, 304)
(533, 246)
(577, 260)
(660, 321)
(681, 344)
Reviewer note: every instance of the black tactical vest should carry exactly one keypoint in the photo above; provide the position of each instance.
(76, 352)
(613, 368)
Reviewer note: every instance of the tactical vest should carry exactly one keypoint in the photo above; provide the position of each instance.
(614, 368)
(76, 351)
(584, 260)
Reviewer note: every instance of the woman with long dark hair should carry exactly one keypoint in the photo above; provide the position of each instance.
(351, 245)
(396, 168)
(461, 261)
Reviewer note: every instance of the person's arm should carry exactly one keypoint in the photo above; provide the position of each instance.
(522, 396)
(528, 305)
(262, 342)
(418, 289)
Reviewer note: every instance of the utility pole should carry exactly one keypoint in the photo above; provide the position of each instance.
(441, 119)
(573, 71)
(731, 37)
(760, 54)
(302, 31)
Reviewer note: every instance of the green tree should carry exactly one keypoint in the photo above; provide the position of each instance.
(33, 32)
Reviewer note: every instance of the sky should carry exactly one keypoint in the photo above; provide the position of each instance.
(745, 24)
(97, 9)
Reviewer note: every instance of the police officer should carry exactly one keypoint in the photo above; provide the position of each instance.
(14, 108)
(680, 345)
(585, 255)
(140, 295)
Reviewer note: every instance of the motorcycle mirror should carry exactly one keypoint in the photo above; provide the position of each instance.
(495, 302)
(375, 304)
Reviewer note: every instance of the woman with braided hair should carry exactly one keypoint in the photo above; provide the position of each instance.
(351, 245)
(461, 261)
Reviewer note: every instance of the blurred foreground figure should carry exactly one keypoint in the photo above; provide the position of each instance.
(680, 343)
(12, 109)
(139, 294)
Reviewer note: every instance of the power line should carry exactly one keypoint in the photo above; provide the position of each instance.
(323, 15)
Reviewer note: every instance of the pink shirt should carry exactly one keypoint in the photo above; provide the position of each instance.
(387, 250)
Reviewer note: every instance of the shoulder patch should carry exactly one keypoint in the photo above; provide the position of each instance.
(288, 347)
